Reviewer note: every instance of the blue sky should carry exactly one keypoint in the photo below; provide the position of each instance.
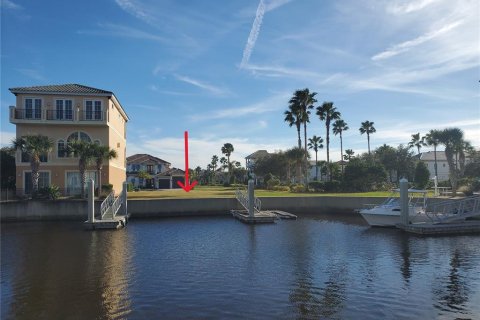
(225, 70)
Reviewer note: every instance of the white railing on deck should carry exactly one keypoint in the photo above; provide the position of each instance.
(106, 204)
(116, 205)
(242, 197)
(453, 210)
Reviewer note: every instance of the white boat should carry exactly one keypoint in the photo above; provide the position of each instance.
(387, 214)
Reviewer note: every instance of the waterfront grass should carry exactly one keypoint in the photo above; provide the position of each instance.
(229, 192)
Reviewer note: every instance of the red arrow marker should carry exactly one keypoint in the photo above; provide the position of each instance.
(187, 187)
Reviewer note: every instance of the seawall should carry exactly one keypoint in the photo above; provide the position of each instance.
(157, 208)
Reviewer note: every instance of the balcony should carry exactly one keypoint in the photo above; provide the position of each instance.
(59, 116)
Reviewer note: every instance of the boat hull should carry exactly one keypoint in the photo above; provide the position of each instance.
(390, 219)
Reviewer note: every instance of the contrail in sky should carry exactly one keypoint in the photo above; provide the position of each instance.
(252, 38)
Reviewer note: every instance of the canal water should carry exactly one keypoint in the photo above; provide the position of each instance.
(317, 267)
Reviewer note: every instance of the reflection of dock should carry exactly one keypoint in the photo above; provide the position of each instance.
(469, 226)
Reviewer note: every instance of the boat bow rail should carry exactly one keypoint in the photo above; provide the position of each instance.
(454, 210)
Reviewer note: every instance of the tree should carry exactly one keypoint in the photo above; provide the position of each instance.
(7, 164)
(368, 128)
(338, 127)
(273, 163)
(227, 150)
(315, 143)
(362, 175)
(34, 147)
(304, 100)
(327, 112)
(295, 157)
(452, 139)
(85, 152)
(422, 175)
(405, 163)
(214, 166)
(349, 154)
(224, 161)
(143, 175)
(100, 154)
(387, 156)
(417, 141)
(432, 139)
(293, 117)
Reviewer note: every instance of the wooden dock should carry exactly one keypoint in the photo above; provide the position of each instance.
(117, 222)
(264, 216)
(468, 226)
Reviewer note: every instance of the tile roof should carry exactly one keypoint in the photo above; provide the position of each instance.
(145, 159)
(70, 88)
(171, 172)
(257, 154)
(430, 156)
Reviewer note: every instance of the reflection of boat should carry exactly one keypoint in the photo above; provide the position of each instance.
(387, 214)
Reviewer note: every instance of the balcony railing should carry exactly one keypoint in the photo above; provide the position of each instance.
(59, 114)
(55, 115)
(91, 115)
(29, 114)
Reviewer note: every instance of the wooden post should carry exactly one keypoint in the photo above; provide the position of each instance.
(91, 202)
(404, 213)
(251, 198)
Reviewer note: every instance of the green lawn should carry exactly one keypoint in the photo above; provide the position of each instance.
(229, 192)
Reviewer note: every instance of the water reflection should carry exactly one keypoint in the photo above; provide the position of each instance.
(59, 266)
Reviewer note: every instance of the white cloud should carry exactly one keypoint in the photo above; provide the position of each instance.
(33, 74)
(201, 149)
(6, 138)
(197, 83)
(135, 9)
(407, 45)
(10, 5)
(270, 104)
(409, 7)
(110, 29)
(252, 38)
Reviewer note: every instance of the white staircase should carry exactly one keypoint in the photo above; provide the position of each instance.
(454, 210)
(242, 197)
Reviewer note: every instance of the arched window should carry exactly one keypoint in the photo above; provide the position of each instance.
(97, 142)
(61, 152)
(79, 135)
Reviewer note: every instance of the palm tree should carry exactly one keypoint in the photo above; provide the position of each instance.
(214, 166)
(327, 112)
(227, 150)
(417, 141)
(100, 154)
(85, 152)
(338, 127)
(293, 117)
(452, 139)
(295, 156)
(348, 154)
(34, 147)
(368, 128)
(223, 161)
(315, 143)
(432, 139)
(304, 100)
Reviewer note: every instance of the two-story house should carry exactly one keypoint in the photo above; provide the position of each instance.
(148, 164)
(64, 113)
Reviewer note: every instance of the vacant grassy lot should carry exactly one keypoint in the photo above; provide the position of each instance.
(228, 192)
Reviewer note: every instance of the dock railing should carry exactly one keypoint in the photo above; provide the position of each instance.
(454, 210)
(242, 197)
(107, 204)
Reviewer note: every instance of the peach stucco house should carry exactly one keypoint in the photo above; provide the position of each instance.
(65, 112)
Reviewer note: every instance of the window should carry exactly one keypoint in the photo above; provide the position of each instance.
(149, 168)
(73, 184)
(93, 110)
(63, 110)
(61, 152)
(79, 135)
(97, 142)
(33, 108)
(43, 181)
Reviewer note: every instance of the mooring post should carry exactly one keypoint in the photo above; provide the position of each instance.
(404, 201)
(91, 202)
(124, 197)
(251, 198)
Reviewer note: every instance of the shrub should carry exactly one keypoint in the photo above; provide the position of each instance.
(227, 184)
(273, 182)
(332, 186)
(422, 175)
(317, 186)
(107, 189)
(466, 190)
(281, 188)
(51, 192)
(130, 187)
(297, 188)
